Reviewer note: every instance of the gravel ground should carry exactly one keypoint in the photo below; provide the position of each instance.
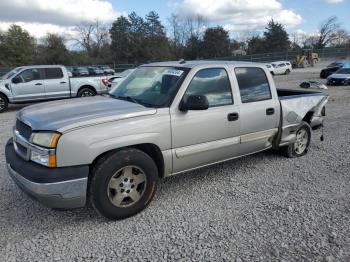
(258, 208)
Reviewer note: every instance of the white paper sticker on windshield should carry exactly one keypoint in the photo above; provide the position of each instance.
(173, 72)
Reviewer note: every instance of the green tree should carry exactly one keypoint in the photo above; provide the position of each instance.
(256, 45)
(53, 50)
(157, 44)
(16, 47)
(120, 36)
(216, 43)
(276, 37)
(137, 38)
(193, 49)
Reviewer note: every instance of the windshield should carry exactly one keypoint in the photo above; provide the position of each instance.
(335, 64)
(151, 86)
(344, 71)
(11, 73)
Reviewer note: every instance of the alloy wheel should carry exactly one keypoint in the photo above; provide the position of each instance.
(301, 142)
(127, 186)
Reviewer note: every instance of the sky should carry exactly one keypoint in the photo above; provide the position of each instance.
(236, 16)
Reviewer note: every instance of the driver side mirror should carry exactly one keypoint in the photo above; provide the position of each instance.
(16, 80)
(194, 102)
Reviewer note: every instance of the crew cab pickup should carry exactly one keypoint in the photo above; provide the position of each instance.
(46, 82)
(163, 119)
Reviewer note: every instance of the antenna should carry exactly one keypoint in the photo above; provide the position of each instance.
(182, 61)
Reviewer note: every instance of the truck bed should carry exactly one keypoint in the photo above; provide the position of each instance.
(292, 93)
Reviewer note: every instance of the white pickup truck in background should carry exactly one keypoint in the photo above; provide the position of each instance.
(46, 82)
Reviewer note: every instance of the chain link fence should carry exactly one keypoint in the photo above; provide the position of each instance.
(325, 53)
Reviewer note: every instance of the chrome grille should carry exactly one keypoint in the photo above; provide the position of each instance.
(23, 129)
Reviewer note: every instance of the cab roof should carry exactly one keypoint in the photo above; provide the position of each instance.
(194, 63)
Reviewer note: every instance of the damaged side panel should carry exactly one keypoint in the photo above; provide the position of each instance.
(294, 111)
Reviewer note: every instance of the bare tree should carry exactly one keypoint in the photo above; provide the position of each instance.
(341, 37)
(92, 37)
(327, 32)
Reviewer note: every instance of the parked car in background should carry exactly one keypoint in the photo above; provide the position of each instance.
(281, 68)
(270, 68)
(69, 71)
(119, 77)
(80, 71)
(107, 70)
(340, 77)
(333, 67)
(95, 71)
(164, 119)
(46, 82)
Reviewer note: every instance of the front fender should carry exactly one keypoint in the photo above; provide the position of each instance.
(83, 146)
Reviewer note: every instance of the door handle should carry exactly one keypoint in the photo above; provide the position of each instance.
(63, 82)
(38, 84)
(232, 116)
(270, 111)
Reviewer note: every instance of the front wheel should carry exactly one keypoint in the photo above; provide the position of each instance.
(123, 183)
(3, 103)
(287, 72)
(301, 144)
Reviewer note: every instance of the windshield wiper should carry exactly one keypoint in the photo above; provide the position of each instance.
(128, 98)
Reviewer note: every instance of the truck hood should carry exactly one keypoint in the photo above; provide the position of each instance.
(65, 115)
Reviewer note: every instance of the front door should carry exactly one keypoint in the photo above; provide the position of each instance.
(28, 85)
(205, 136)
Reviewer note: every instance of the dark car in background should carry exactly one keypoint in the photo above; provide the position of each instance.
(95, 71)
(80, 71)
(340, 77)
(333, 67)
(107, 70)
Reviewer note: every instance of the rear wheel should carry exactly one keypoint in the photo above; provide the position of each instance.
(3, 103)
(301, 144)
(123, 183)
(287, 72)
(86, 91)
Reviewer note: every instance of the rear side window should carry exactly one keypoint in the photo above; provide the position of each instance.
(214, 84)
(253, 84)
(53, 73)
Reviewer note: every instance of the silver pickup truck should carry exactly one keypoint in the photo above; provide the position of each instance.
(46, 82)
(163, 119)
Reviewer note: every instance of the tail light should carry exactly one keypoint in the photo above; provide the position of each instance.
(105, 82)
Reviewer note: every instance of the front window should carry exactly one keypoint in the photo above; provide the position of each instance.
(214, 84)
(151, 86)
(29, 75)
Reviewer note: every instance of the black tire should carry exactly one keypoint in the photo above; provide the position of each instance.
(107, 168)
(3, 103)
(323, 74)
(86, 92)
(291, 150)
(287, 72)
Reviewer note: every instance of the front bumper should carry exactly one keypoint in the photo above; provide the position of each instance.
(337, 81)
(64, 188)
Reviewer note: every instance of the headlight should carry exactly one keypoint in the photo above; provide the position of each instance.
(49, 140)
(46, 139)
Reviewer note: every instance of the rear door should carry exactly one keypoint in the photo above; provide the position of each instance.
(28, 85)
(205, 136)
(56, 83)
(259, 109)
